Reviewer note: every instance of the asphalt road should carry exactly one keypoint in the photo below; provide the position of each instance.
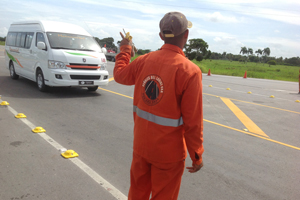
(238, 164)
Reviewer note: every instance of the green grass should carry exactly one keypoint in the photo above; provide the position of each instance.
(136, 55)
(254, 70)
(2, 42)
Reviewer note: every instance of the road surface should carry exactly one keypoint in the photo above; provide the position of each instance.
(251, 141)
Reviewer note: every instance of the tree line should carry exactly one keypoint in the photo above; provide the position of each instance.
(107, 42)
(198, 49)
(259, 56)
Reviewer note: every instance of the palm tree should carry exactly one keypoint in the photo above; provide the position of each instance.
(250, 51)
(266, 52)
(224, 54)
(258, 52)
(229, 56)
(244, 50)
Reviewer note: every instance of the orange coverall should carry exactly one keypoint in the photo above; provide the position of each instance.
(168, 118)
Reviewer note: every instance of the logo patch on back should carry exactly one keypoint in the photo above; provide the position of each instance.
(153, 89)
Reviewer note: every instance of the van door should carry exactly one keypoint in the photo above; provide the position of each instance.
(41, 56)
(26, 58)
(13, 51)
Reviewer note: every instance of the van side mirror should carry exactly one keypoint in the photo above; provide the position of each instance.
(41, 45)
(104, 50)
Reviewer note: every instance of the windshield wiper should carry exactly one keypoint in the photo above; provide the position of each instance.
(60, 48)
(73, 49)
(85, 49)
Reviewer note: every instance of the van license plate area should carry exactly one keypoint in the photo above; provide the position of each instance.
(86, 82)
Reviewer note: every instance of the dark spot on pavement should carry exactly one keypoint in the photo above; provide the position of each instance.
(16, 143)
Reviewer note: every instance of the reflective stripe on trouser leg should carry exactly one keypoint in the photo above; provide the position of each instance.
(157, 119)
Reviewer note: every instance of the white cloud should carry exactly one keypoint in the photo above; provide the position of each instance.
(279, 46)
(229, 44)
(218, 17)
(3, 31)
(224, 25)
(277, 15)
(283, 11)
(141, 6)
(198, 32)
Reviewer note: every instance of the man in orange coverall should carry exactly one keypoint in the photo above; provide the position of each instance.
(167, 110)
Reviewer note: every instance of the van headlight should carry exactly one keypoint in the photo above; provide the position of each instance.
(56, 65)
(103, 67)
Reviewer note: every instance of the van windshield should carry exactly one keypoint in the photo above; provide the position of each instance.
(72, 41)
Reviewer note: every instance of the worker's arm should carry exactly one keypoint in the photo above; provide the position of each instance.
(124, 72)
(192, 114)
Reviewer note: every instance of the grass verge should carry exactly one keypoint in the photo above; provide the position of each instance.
(254, 70)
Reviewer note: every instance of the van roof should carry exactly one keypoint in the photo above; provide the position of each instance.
(54, 26)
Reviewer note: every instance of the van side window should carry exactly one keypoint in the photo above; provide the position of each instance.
(11, 39)
(28, 40)
(39, 38)
(18, 42)
(22, 42)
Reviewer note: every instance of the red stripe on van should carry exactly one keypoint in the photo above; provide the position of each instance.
(19, 63)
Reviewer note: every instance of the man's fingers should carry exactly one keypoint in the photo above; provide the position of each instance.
(195, 168)
(122, 35)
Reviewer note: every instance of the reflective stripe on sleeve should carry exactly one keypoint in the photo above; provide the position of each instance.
(156, 119)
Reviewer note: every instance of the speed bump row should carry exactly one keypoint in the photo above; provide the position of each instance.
(272, 96)
(64, 152)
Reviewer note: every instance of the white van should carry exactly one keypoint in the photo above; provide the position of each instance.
(55, 54)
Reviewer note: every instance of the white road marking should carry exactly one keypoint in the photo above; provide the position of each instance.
(246, 92)
(89, 171)
(105, 184)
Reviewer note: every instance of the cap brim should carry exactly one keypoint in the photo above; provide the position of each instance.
(190, 24)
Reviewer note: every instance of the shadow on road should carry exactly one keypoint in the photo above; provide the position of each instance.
(24, 88)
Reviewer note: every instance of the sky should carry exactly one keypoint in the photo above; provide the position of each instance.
(226, 25)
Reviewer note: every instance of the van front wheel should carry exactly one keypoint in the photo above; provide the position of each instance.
(12, 71)
(41, 81)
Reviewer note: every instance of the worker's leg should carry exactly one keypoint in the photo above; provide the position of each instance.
(166, 180)
(140, 179)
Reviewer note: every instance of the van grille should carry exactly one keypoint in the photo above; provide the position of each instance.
(84, 68)
(83, 64)
(80, 66)
(87, 77)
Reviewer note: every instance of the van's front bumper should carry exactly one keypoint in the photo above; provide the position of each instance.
(79, 78)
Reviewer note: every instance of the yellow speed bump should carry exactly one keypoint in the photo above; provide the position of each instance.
(272, 96)
(249, 92)
(4, 103)
(38, 130)
(228, 89)
(297, 101)
(69, 154)
(210, 86)
(20, 115)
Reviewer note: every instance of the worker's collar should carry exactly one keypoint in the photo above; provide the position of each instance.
(173, 48)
